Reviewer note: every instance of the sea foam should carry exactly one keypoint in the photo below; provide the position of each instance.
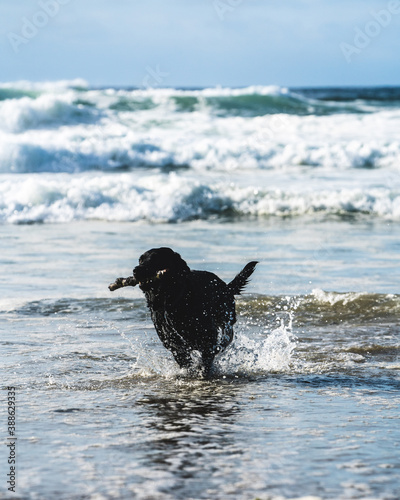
(172, 198)
(74, 129)
(173, 154)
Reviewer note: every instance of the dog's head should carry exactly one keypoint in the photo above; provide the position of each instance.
(157, 266)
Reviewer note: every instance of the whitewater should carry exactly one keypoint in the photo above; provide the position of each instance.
(71, 152)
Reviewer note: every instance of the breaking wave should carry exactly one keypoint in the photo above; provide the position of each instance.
(72, 152)
(175, 198)
(69, 127)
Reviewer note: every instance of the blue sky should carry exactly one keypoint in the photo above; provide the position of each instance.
(202, 42)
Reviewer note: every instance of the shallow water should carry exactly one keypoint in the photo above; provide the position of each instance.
(305, 401)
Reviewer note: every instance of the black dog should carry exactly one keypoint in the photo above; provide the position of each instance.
(191, 310)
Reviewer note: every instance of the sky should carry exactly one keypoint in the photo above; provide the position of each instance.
(199, 43)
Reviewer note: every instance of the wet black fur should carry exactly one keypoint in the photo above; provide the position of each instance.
(191, 310)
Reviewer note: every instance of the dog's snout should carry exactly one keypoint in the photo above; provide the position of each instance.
(141, 273)
(136, 271)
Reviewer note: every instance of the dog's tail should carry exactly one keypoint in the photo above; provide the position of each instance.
(238, 283)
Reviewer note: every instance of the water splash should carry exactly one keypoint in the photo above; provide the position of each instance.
(254, 353)
(256, 350)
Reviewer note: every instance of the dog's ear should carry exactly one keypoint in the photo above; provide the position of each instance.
(176, 263)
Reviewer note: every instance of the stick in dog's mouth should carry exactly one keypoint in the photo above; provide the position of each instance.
(121, 282)
(131, 281)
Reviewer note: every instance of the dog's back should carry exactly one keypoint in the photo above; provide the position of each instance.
(199, 315)
(191, 316)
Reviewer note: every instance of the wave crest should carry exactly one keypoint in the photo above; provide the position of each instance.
(173, 198)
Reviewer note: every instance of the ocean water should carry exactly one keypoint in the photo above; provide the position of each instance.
(306, 401)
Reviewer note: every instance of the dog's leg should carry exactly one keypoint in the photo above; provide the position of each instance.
(182, 357)
(207, 361)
